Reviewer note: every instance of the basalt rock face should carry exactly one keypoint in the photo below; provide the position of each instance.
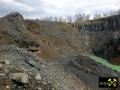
(104, 24)
(102, 36)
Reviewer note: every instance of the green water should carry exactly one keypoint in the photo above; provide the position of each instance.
(105, 62)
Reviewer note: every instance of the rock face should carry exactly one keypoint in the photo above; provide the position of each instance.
(13, 31)
(104, 24)
(41, 55)
(102, 37)
(15, 17)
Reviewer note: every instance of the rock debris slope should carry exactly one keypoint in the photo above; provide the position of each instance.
(26, 70)
(41, 55)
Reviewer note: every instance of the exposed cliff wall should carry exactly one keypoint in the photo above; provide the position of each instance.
(104, 24)
(102, 36)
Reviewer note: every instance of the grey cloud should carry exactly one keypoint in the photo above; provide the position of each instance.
(45, 8)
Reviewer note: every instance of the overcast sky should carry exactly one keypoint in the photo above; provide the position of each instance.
(45, 8)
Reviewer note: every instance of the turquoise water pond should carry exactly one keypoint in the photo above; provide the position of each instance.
(105, 62)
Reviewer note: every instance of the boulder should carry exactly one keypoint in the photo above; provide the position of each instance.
(19, 77)
(6, 62)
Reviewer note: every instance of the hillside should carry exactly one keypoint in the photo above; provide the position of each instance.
(57, 38)
(42, 55)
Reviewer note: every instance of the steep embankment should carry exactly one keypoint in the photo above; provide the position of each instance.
(60, 37)
(46, 39)
(102, 37)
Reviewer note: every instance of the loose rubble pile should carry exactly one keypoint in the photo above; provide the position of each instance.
(26, 71)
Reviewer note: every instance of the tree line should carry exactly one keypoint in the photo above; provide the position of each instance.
(80, 17)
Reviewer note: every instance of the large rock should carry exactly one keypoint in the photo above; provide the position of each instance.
(15, 18)
(19, 77)
(13, 31)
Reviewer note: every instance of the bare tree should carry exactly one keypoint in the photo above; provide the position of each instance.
(86, 17)
(105, 15)
(96, 16)
(69, 19)
(80, 18)
(55, 19)
(118, 12)
(111, 13)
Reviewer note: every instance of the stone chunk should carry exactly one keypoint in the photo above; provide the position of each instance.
(6, 62)
(19, 77)
(38, 77)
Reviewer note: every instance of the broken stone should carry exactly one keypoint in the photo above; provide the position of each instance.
(2, 74)
(43, 66)
(19, 77)
(44, 83)
(33, 49)
(0, 35)
(6, 62)
(7, 87)
(38, 77)
(6, 70)
(39, 88)
(1, 65)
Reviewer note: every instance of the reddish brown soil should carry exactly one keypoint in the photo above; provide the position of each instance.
(45, 51)
(48, 43)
